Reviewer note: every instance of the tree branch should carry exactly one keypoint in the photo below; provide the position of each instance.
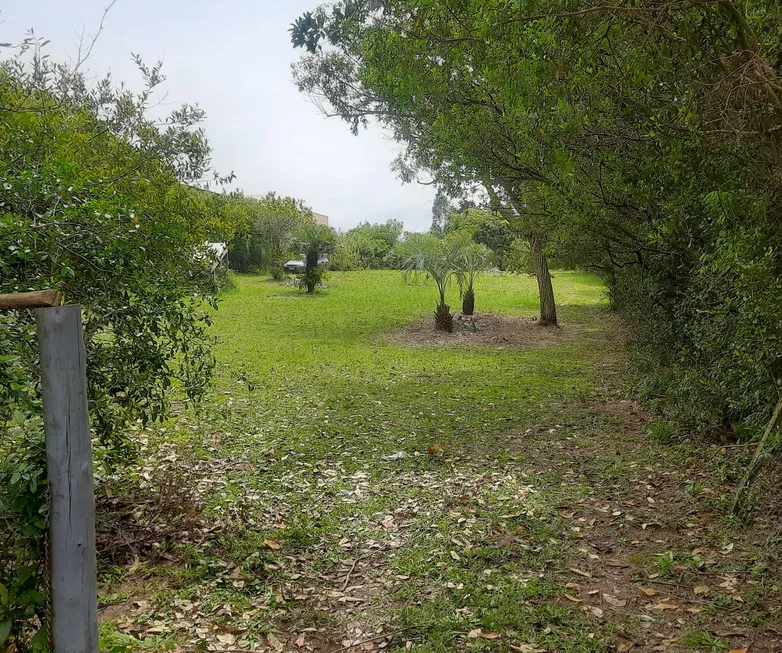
(604, 9)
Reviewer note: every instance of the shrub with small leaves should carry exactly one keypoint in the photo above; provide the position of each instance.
(94, 202)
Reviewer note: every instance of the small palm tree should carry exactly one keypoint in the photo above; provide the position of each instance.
(426, 253)
(314, 241)
(470, 259)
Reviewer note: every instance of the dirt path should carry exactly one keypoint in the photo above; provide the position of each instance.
(571, 529)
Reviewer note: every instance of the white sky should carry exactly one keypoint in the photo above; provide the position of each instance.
(233, 58)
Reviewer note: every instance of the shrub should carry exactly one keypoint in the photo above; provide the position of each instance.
(314, 242)
(92, 203)
(263, 242)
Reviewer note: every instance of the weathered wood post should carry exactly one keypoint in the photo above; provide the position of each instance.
(72, 564)
(73, 569)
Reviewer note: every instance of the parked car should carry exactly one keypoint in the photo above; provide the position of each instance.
(294, 266)
(297, 266)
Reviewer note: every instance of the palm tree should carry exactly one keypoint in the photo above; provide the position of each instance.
(314, 241)
(470, 259)
(426, 253)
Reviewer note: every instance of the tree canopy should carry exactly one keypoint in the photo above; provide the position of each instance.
(96, 201)
(639, 140)
(263, 234)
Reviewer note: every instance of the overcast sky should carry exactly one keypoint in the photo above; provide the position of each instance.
(233, 59)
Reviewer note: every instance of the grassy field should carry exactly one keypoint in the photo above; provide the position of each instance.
(354, 485)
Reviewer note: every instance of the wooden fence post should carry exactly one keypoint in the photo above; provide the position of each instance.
(72, 564)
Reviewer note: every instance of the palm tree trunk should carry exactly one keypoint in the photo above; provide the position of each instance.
(443, 320)
(548, 308)
(468, 302)
(310, 266)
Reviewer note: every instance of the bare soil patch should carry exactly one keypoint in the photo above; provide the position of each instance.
(653, 553)
(481, 330)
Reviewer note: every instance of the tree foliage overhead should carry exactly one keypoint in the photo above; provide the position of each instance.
(640, 140)
(455, 125)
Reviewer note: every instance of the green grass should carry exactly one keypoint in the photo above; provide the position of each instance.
(325, 350)
(317, 440)
(308, 386)
(271, 328)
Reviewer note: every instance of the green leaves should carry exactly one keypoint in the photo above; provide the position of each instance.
(5, 630)
(662, 177)
(367, 246)
(263, 230)
(314, 242)
(421, 253)
(92, 203)
(5, 623)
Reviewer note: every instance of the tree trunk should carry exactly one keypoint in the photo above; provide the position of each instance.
(548, 309)
(443, 320)
(310, 271)
(468, 302)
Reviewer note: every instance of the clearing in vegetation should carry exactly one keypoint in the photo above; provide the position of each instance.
(353, 486)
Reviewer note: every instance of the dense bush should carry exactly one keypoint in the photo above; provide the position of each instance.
(264, 240)
(508, 247)
(707, 312)
(367, 246)
(93, 203)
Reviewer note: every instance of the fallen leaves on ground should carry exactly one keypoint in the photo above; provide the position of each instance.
(333, 526)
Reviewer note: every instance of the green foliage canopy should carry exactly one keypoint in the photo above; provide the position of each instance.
(264, 236)
(95, 202)
(367, 246)
(590, 134)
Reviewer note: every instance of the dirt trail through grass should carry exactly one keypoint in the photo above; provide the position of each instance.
(350, 490)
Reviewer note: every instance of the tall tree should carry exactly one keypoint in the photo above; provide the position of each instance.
(593, 135)
(457, 125)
